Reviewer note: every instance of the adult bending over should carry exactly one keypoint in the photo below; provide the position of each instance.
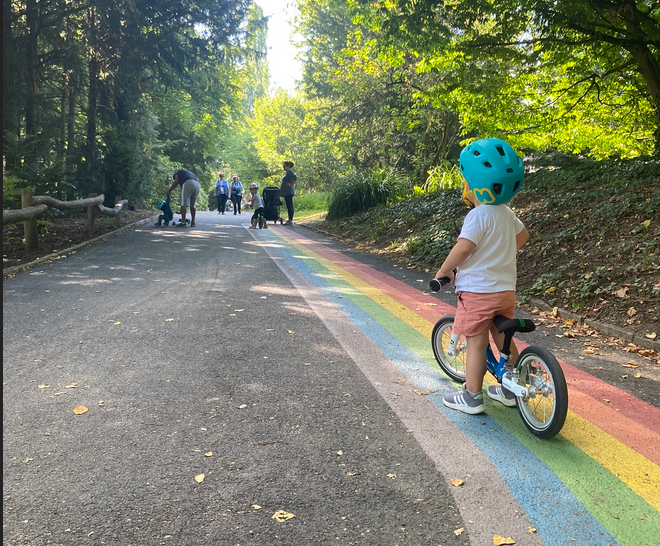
(189, 191)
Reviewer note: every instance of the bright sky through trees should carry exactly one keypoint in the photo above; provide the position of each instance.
(284, 68)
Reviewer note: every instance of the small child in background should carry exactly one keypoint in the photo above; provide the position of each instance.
(257, 204)
(167, 215)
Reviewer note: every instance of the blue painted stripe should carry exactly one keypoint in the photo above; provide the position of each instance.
(559, 517)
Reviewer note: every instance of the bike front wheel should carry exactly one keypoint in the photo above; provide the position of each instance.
(544, 407)
(452, 365)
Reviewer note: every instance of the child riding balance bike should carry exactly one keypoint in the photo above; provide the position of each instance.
(482, 266)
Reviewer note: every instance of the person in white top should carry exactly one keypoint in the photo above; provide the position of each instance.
(257, 204)
(482, 263)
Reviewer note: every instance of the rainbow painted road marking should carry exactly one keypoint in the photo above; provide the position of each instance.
(596, 483)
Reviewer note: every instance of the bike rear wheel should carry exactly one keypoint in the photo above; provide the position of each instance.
(544, 408)
(453, 366)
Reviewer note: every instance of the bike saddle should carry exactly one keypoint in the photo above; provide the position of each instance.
(503, 324)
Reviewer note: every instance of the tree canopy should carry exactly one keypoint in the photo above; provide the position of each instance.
(111, 96)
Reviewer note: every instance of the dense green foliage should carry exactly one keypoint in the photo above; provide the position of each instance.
(594, 230)
(112, 96)
(357, 193)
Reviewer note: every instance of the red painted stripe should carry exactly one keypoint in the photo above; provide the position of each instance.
(604, 405)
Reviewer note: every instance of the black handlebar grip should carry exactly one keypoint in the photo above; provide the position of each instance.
(436, 284)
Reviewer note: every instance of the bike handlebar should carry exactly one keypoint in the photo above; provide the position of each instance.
(436, 284)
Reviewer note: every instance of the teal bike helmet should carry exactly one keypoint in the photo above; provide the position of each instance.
(492, 169)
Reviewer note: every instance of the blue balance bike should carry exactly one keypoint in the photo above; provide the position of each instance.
(536, 378)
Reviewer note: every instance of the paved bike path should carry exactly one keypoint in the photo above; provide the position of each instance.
(596, 483)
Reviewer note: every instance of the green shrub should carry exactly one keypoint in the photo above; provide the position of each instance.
(360, 192)
(11, 191)
(311, 201)
(443, 177)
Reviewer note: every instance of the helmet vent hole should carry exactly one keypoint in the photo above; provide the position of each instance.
(497, 189)
(509, 170)
(487, 164)
(500, 150)
(477, 153)
(516, 185)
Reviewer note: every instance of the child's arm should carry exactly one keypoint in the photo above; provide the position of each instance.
(522, 238)
(461, 252)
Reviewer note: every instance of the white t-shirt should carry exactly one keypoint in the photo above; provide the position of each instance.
(256, 201)
(492, 265)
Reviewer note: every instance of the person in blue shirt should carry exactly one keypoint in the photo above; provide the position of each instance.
(236, 193)
(221, 192)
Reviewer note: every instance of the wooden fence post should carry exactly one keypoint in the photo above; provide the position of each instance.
(91, 216)
(118, 218)
(30, 229)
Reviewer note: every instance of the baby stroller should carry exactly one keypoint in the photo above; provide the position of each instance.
(272, 203)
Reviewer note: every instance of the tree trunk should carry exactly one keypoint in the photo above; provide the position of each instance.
(31, 19)
(92, 101)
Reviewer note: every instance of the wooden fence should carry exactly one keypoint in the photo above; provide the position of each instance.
(36, 205)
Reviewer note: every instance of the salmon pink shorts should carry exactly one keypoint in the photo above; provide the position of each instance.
(475, 312)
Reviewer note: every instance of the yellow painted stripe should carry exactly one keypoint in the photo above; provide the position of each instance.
(637, 472)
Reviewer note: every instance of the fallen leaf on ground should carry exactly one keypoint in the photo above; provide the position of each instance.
(72, 386)
(457, 483)
(44, 386)
(208, 453)
(242, 406)
(499, 541)
(79, 410)
(281, 516)
(637, 375)
(459, 532)
(630, 365)
(256, 507)
(340, 453)
(588, 351)
(169, 319)
(117, 323)
(199, 478)
(652, 335)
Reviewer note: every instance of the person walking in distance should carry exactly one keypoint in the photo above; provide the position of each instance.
(236, 193)
(287, 189)
(221, 193)
(189, 191)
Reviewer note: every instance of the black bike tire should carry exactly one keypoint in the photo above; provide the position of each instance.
(560, 393)
(439, 354)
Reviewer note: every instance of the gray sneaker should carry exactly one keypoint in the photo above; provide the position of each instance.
(465, 402)
(505, 396)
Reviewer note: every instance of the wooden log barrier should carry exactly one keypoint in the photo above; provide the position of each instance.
(30, 229)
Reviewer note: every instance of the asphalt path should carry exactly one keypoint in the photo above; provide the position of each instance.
(231, 401)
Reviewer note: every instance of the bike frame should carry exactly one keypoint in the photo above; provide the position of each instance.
(504, 374)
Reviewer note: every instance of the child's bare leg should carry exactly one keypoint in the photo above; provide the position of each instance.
(499, 341)
(475, 365)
